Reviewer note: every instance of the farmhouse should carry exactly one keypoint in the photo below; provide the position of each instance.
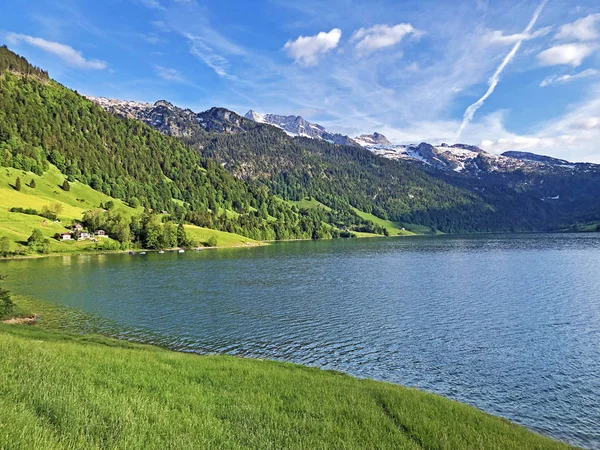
(101, 233)
(65, 236)
(84, 235)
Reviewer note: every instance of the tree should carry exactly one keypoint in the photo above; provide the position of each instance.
(212, 241)
(153, 232)
(6, 303)
(32, 184)
(37, 243)
(134, 203)
(66, 186)
(18, 184)
(4, 246)
(169, 235)
(182, 239)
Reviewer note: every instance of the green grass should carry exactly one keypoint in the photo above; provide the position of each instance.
(224, 239)
(309, 204)
(395, 229)
(63, 391)
(80, 198)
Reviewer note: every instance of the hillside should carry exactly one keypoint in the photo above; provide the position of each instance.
(452, 188)
(43, 123)
(17, 227)
(339, 176)
(76, 391)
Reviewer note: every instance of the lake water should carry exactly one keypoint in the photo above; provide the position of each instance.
(510, 324)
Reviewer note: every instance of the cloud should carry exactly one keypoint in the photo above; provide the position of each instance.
(573, 136)
(498, 37)
(381, 36)
(555, 79)
(306, 49)
(152, 4)
(566, 54)
(168, 74)
(493, 81)
(584, 29)
(66, 53)
(210, 57)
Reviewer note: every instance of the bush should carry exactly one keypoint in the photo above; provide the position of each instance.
(212, 241)
(37, 243)
(6, 303)
(30, 211)
(66, 186)
(4, 246)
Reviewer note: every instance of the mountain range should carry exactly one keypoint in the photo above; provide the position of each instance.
(549, 192)
(253, 174)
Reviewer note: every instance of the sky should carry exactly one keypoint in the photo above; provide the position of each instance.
(500, 74)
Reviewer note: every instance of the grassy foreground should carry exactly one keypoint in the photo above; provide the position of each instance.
(71, 391)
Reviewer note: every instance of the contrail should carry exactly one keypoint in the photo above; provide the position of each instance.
(493, 81)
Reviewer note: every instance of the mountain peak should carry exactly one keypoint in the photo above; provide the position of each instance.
(253, 115)
(298, 126)
(164, 103)
(372, 139)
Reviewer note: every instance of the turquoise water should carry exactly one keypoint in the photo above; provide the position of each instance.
(508, 323)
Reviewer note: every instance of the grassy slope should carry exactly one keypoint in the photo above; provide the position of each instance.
(224, 239)
(68, 391)
(393, 228)
(18, 227)
(309, 204)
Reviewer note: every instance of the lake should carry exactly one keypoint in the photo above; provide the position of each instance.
(508, 323)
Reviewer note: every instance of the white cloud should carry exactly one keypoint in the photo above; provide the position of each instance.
(495, 78)
(563, 79)
(566, 54)
(584, 29)
(153, 4)
(573, 136)
(498, 37)
(66, 53)
(168, 74)
(381, 36)
(209, 56)
(307, 49)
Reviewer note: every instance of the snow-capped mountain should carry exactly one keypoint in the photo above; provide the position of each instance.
(471, 160)
(365, 140)
(298, 126)
(174, 121)
(457, 159)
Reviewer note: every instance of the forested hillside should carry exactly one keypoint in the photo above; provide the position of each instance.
(42, 122)
(345, 177)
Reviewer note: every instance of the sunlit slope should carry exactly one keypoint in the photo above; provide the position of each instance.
(74, 202)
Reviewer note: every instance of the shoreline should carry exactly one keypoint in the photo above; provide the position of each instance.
(28, 323)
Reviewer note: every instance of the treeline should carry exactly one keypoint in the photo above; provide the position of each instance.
(15, 63)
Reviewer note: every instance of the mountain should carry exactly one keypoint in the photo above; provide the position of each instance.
(480, 191)
(470, 160)
(366, 140)
(297, 126)
(341, 177)
(174, 121)
(43, 123)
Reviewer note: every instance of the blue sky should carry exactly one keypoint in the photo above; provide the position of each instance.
(518, 74)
